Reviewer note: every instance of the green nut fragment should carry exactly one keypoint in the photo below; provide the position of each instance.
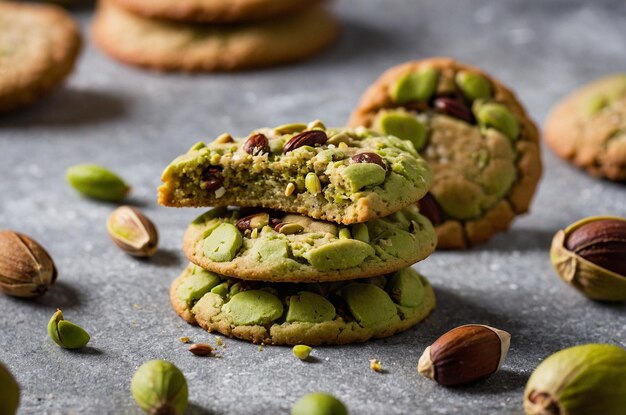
(290, 128)
(596, 104)
(586, 379)
(254, 307)
(66, 334)
(301, 351)
(221, 289)
(405, 288)
(361, 233)
(497, 116)
(369, 304)
(9, 392)
(97, 182)
(316, 125)
(360, 175)
(340, 254)
(312, 183)
(415, 86)
(344, 233)
(404, 126)
(318, 404)
(309, 307)
(199, 145)
(473, 85)
(223, 243)
(159, 387)
(290, 228)
(196, 285)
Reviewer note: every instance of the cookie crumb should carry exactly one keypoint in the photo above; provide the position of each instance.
(218, 341)
(185, 340)
(261, 347)
(376, 365)
(301, 351)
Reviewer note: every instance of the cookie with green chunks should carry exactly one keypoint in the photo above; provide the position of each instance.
(588, 128)
(339, 175)
(253, 244)
(302, 313)
(167, 45)
(479, 141)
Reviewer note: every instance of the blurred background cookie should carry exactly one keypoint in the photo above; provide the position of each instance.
(588, 128)
(39, 45)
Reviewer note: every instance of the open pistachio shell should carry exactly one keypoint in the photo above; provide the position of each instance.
(592, 280)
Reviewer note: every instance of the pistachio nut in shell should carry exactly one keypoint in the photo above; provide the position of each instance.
(465, 354)
(65, 333)
(160, 388)
(26, 269)
(9, 392)
(132, 231)
(588, 379)
(588, 255)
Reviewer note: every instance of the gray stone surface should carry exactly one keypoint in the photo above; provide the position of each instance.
(135, 122)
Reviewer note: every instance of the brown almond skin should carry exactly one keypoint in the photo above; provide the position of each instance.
(306, 138)
(257, 144)
(369, 157)
(465, 354)
(201, 349)
(602, 242)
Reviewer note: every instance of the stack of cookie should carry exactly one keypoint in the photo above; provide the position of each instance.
(212, 35)
(319, 247)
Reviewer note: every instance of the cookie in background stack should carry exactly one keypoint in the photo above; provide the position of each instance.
(212, 35)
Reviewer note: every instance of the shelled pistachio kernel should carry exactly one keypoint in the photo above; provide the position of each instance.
(289, 228)
(223, 243)
(97, 182)
(403, 125)
(66, 334)
(318, 404)
(473, 85)
(497, 116)
(415, 86)
(133, 232)
(301, 351)
(312, 183)
(159, 387)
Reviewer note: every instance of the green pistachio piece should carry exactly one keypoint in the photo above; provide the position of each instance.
(316, 125)
(312, 183)
(415, 86)
(196, 285)
(340, 254)
(235, 289)
(221, 289)
(497, 116)
(344, 233)
(360, 232)
(159, 387)
(404, 126)
(309, 307)
(360, 175)
(301, 351)
(596, 104)
(318, 404)
(199, 145)
(369, 305)
(340, 137)
(473, 85)
(253, 307)
(322, 227)
(9, 392)
(271, 250)
(97, 182)
(290, 128)
(223, 243)
(290, 228)
(66, 334)
(405, 288)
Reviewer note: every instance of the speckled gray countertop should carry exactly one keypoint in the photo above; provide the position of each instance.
(135, 122)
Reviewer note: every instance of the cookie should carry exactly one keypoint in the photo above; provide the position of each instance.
(215, 11)
(338, 175)
(39, 45)
(478, 139)
(278, 247)
(168, 45)
(313, 314)
(588, 128)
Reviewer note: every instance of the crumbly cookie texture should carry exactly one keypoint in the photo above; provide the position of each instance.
(588, 128)
(278, 247)
(214, 11)
(181, 46)
(38, 47)
(340, 175)
(478, 139)
(312, 314)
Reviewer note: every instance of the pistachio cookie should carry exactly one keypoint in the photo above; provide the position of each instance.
(313, 314)
(215, 11)
(278, 247)
(169, 45)
(478, 139)
(339, 175)
(588, 128)
(38, 47)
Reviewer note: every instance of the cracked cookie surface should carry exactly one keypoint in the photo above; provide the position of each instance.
(39, 45)
(278, 247)
(478, 139)
(340, 175)
(588, 128)
(313, 314)
(181, 46)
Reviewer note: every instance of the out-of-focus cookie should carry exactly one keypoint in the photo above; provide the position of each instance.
(168, 45)
(478, 139)
(38, 48)
(313, 314)
(215, 11)
(588, 128)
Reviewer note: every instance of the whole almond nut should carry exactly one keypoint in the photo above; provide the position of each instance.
(306, 138)
(465, 354)
(201, 349)
(257, 144)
